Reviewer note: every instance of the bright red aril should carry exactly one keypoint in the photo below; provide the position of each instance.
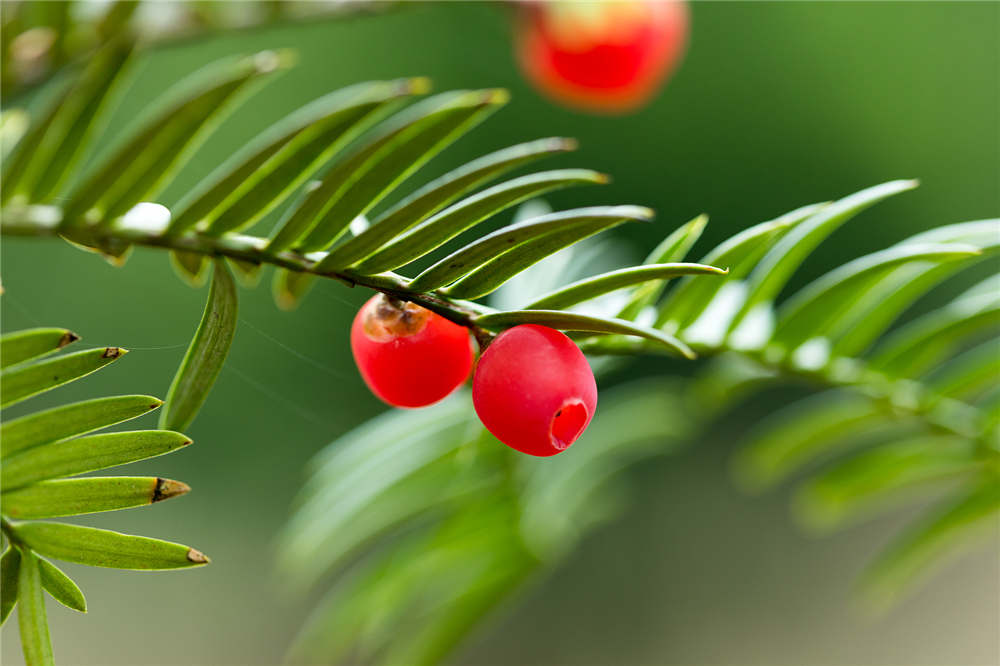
(408, 355)
(602, 55)
(534, 390)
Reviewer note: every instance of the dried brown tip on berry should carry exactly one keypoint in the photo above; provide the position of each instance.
(197, 556)
(388, 318)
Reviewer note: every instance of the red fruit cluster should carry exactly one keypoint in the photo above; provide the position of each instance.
(601, 55)
(533, 388)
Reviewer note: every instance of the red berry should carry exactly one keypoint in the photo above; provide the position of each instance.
(601, 55)
(409, 356)
(534, 390)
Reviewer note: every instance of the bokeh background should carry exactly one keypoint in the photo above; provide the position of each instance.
(777, 105)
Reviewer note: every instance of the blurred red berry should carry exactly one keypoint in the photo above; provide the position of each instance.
(534, 390)
(602, 55)
(407, 355)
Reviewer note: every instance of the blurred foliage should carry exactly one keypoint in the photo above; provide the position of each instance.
(40, 38)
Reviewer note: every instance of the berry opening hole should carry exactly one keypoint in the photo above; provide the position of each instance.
(567, 424)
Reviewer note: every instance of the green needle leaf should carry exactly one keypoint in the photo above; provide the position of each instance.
(873, 315)
(324, 541)
(206, 205)
(949, 529)
(493, 274)
(31, 616)
(116, 18)
(70, 420)
(921, 344)
(502, 241)
(24, 381)
(10, 571)
(672, 249)
(13, 125)
(73, 497)
(437, 194)
(292, 150)
(469, 591)
(357, 183)
(858, 486)
(593, 287)
(207, 353)
(558, 499)
(354, 450)
(465, 214)
(989, 407)
(568, 321)
(975, 232)
(740, 253)
(781, 262)
(78, 118)
(247, 273)
(86, 454)
(815, 309)
(968, 374)
(290, 287)
(135, 171)
(104, 548)
(675, 247)
(804, 431)
(25, 345)
(17, 166)
(403, 158)
(61, 587)
(362, 488)
(190, 266)
(473, 550)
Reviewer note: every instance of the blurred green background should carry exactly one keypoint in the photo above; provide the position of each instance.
(777, 105)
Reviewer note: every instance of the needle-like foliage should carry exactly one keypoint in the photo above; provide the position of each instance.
(470, 519)
(42, 453)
